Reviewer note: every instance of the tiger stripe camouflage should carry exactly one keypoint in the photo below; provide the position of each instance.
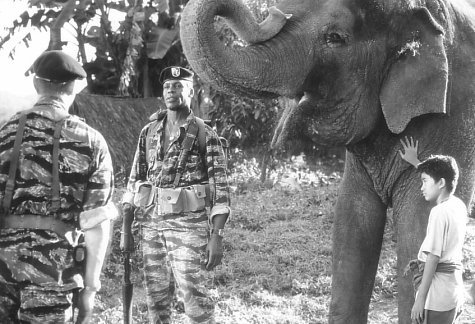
(40, 262)
(85, 166)
(44, 262)
(174, 244)
(152, 163)
(186, 253)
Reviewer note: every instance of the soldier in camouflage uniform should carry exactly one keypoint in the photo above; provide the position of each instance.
(176, 227)
(40, 228)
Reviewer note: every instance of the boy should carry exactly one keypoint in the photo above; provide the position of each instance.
(440, 295)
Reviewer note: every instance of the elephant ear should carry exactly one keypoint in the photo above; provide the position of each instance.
(417, 81)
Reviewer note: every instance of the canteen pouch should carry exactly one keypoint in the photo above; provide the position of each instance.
(144, 194)
(187, 199)
(80, 254)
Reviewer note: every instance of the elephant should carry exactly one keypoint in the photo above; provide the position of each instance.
(363, 74)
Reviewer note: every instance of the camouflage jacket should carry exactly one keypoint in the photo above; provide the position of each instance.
(86, 182)
(155, 163)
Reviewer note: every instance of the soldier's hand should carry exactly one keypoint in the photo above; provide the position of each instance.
(85, 306)
(214, 251)
(127, 210)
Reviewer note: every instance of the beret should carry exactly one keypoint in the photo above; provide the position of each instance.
(176, 73)
(57, 66)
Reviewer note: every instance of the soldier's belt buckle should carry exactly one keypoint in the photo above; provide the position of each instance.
(38, 221)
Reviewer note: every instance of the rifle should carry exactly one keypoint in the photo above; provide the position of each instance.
(127, 286)
(127, 290)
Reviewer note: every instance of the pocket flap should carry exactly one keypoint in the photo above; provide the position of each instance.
(170, 195)
(142, 186)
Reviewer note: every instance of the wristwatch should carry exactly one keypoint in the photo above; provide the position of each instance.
(217, 231)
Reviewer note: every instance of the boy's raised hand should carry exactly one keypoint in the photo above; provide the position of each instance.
(410, 147)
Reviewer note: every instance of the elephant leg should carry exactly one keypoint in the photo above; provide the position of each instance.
(360, 217)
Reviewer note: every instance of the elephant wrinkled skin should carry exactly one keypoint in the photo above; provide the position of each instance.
(364, 74)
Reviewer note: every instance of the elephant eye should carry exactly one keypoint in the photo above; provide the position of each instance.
(334, 38)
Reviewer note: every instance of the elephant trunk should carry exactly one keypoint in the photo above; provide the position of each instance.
(273, 66)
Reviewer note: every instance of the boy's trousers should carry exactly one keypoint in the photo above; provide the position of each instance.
(447, 317)
(184, 254)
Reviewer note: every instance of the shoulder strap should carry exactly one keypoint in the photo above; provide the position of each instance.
(202, 139)
(201, 134)
(10, 185)
(55, 187)
(186, 149)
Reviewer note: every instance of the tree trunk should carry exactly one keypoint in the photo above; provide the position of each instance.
(55, 42)
(133, 33)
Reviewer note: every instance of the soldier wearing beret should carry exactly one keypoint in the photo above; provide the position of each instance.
(56, 181)
(178, 175)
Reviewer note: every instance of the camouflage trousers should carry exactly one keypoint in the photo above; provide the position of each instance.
(34, 304)
(169, 254)
(37, 277)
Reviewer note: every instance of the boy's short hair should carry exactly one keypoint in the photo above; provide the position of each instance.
(441, 166)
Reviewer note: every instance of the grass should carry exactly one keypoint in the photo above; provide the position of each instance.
(277, 263)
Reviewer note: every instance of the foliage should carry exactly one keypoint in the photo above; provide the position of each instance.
(277, 263)
(122, 54)
(120, 58)
(246, 123)
(40, 19)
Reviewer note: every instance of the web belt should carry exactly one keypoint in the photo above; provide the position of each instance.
(39, 222)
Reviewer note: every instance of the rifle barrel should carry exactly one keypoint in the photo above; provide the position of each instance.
(127, 290)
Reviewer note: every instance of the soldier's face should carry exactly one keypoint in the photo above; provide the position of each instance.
(177, 94)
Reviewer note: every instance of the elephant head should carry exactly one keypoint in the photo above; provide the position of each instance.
(348, 67)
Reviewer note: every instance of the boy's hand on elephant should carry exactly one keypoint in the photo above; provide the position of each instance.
(410, 147)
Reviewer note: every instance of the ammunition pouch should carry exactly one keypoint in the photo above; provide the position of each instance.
(183, 199)
(172, 200)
